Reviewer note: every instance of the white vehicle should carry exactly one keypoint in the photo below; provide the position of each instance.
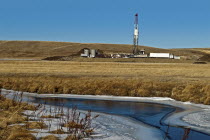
(161, 55)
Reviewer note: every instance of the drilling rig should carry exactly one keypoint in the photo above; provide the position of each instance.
(136, 36)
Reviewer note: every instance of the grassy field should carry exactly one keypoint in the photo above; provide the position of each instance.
(178, 79)
(131, 60)
(150, 71)
(43, 49)
(145, 77)
(185, 82)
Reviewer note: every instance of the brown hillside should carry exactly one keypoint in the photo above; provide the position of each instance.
(31, 49)
(195, 53)
(43, 49)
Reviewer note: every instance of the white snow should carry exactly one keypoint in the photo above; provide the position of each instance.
(199, 119)
(107, 127)
(118, 127)
(195, 116)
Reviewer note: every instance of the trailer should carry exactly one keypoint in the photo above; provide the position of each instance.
(161, 55)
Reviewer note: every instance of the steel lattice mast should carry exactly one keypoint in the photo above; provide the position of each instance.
(136, 36)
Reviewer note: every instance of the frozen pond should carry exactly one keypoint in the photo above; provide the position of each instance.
(148, 113)
(133, 118)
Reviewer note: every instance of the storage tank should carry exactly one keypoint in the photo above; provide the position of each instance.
(92, 53)
(171, 56)
(86, 52)
(142, 51)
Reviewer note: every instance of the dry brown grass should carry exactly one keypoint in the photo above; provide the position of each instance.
(18, 135)
(185, 82)
(132, 60)
(50, 137)
(104, 69)
(43, 49)
(47, 116)
(11, 113)
(15, 133)
(36, 125)
(58, 131)
(71, 137)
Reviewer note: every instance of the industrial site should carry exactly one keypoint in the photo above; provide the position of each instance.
(105, 70)
(68, 51)
(136, 51)
(92, 53)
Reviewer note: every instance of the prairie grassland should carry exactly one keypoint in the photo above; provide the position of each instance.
(185, 82)
(149, 71)
(43, 49)
(132, 60)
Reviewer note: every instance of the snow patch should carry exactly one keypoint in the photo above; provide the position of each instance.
(201, 119)
(107, 127)
(195, 116)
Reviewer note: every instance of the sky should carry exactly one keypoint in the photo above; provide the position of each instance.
(162, 23)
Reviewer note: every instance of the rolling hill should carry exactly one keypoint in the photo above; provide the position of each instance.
(43, 49)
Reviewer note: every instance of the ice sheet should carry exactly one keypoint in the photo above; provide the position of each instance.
(107, 127)
(195, 116)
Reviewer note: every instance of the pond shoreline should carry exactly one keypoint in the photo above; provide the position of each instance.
(188, 108)
(107, 125)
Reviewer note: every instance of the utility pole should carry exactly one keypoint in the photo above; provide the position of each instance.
(136, 36)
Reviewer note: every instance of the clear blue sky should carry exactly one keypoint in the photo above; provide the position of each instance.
(163, 23)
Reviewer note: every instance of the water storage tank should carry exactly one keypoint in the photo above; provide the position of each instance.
(86, 52)
(92, 53)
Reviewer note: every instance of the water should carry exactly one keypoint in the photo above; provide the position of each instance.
(148, 113)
